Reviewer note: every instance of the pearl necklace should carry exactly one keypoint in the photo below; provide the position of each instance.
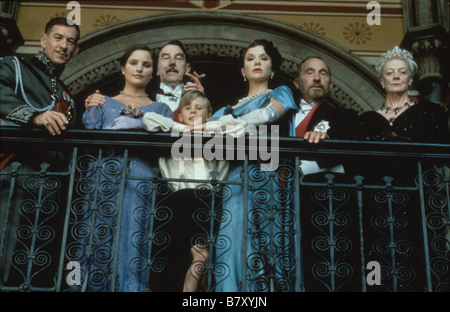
(134, 96)
(245, 99)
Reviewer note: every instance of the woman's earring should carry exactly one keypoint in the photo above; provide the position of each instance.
(271, 75)
(245, 77)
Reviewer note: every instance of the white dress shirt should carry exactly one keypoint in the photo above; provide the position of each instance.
(304, 110)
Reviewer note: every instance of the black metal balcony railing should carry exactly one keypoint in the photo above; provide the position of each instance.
(62, 200)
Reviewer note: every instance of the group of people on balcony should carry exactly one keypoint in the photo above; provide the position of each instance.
(33, 96)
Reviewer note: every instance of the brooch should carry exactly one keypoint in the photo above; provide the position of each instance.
(134, 112)
(322, 126)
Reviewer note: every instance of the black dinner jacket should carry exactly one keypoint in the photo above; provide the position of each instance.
(342, 124)
(342, 121)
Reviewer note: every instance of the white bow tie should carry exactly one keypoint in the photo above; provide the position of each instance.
(306, 107)
(168, 91)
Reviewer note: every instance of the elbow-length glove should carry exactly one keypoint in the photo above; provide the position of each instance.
(261, 116)
(229, 125)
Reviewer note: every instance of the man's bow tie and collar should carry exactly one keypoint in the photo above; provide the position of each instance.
(306, 107)
(169, 91)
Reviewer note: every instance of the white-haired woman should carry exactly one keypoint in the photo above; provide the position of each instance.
(400, 117)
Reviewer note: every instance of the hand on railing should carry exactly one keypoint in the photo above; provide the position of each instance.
(315, 136)
(53, 122)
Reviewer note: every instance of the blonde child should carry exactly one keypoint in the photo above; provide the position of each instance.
(194, 110)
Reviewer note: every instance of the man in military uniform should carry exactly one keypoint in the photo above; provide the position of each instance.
(31, 95)
(30, 92)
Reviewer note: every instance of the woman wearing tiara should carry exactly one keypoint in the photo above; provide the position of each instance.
(400, 117)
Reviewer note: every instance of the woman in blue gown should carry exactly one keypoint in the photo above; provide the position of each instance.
(266, 262)
(102, 254)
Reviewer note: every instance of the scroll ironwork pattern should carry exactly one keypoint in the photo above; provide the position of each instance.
(272, 229)
(331, 220)
(436, 182)
(76, 213)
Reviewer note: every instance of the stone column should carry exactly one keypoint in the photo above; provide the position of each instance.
(10, 37)
(427, 37)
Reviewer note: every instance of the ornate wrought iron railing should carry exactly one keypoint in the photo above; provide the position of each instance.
(95, 201)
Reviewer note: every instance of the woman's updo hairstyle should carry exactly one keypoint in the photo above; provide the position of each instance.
(270, 49)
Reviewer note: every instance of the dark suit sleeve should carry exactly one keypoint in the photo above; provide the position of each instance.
(342, 126)
(342, 121)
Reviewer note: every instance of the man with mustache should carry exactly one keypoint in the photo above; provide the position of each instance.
(173, 66)
(31, 92)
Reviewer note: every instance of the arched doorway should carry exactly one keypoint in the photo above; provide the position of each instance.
(213, 40)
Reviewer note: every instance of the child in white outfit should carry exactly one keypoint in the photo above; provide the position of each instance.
(194, 109)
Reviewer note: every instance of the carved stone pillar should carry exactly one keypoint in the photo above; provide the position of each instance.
(427, 37)
(10, 37)
(429, 55)
(432, 57)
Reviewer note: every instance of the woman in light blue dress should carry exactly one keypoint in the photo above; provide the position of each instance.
(114, 260)
(258, 254)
